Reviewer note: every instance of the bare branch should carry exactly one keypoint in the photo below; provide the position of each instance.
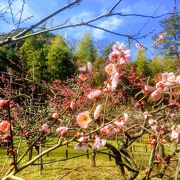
(48, 17)
(112, 9)
(21, 13)
(106, 30)
(144, 16)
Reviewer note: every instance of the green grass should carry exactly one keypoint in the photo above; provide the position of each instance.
(79, 168)
(72, 169)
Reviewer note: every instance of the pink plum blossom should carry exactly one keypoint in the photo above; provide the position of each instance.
(152, 122)
(163, 35)
(61, 131)
(89, 66)
(84, 139)
(45, 128)
(79, 134)
(83, 69)
(146, 114)
(114, 81)
(178, 79)
(137, 105)
(119, 125)
(3, 104)
(83, 119)
(119, 55)
(55, 116)
(82, 77)
(98, 143)
(4, 126)
(152, 141)
(168, 80)
(97, 111)
(156, 95)
(148, 89)
(119, 46)
(110, 69)
(81, 146)
(113, 56)
(125, 117)
(108, 130)
(171, 79)
(175, 133)
(94, 94)
(160, 38)
(126, 55)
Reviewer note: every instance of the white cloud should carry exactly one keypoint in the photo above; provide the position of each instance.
(78, 32)
(111, 23)
(83, 16)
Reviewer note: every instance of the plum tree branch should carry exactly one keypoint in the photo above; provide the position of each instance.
(48, 17)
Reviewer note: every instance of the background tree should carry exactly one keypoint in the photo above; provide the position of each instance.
(171, 26)
(99, 74)
(59, 59)
(9, 58)
(154, 65)
(85, 50)
(33, 54)
(141, 64)
(107, 50)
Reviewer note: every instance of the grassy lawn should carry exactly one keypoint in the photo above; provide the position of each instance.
(79, 168)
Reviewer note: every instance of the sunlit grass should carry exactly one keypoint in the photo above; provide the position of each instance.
(80, 168)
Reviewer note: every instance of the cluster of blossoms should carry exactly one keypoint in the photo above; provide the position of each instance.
(115, 127)
(60, 131)
(118, 58)
(84, 69)
(163, 129)
(160, 39)
(83, 119)
(83, 142)
(168, 80)
(66, 94)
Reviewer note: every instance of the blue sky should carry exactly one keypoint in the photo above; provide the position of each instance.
(89, 9)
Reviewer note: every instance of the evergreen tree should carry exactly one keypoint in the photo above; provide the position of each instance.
(9, 59)
(107, 50)
(85, 50)
(33, 54)
(99, 75)
(60, 60)
(171, 26)
(154, 66)
(141, 64)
